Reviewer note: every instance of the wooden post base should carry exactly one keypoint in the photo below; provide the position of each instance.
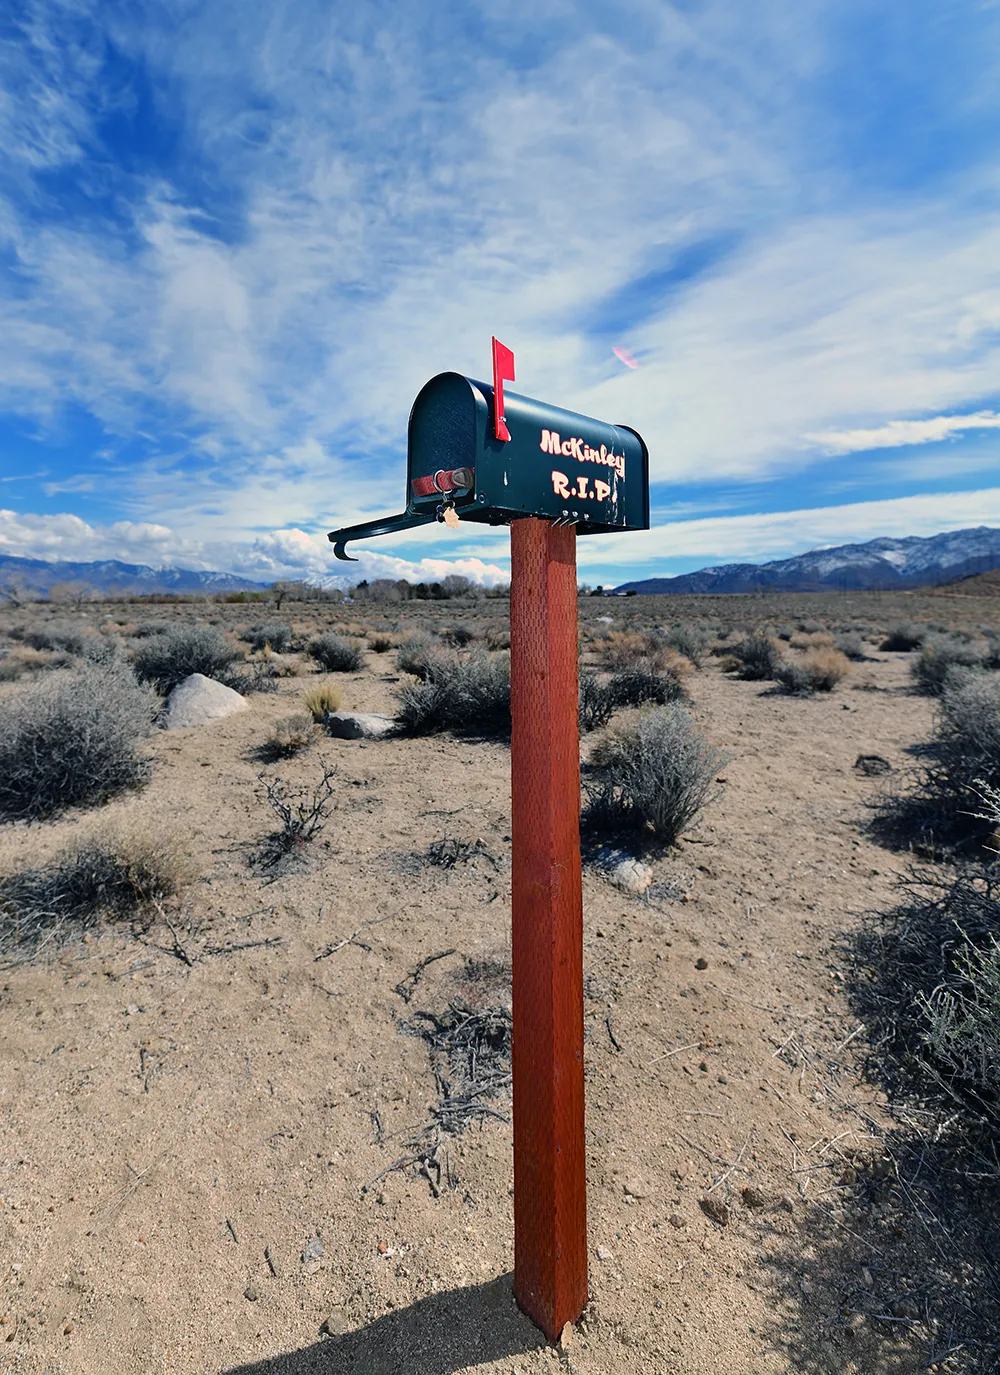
(550, 1206)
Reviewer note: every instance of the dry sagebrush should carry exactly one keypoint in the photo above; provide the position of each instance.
(73, 740)
(652, 776)
(115, 876)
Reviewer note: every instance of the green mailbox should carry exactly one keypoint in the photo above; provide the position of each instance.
(556, 464)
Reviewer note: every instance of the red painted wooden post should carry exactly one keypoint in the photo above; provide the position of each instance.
(550, 1202)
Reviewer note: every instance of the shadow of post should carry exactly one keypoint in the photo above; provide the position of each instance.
(438, 1335)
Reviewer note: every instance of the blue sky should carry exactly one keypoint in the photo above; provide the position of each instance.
(236, 238)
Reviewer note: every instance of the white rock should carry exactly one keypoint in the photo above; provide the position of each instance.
(631, 876)
(200, 700)
(358, 725)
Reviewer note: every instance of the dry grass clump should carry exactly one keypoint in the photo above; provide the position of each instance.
(116, 876)
(274, 634)
(379, 644)
(334, 654)
(812, 639)
(167, 659)
(819, 670)
(621, 649)
(465, 695)
(322, 698)
(498, 636)
(653, 775)
(290, 735)
(73, 741)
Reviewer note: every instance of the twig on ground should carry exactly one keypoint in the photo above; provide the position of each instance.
(611, 1035)
(232, 1231)
(723, 1177)
(692, 1045)
(406, 987)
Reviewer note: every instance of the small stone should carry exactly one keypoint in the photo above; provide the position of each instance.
(567, 1338)
(631, 876)
(634, 1188)
(704, 1066)
(335, 1325)
(252, 1293)
(676, 1220)
(788, 1203)
(132, 1009)
(604, 1254)
(701, 962)
(313, 1250)
(754, 1197)
(358, 725)
(715, 1209)
(68, 1328)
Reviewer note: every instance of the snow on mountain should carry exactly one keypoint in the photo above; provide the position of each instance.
(913, 561)
(38, 576)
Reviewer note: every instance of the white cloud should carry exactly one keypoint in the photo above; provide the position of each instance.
(779, 534)
(899, 432)
(289, 553)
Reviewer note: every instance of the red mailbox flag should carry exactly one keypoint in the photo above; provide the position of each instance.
(503, 371)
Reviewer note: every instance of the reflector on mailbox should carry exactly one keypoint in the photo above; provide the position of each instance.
(556, 464)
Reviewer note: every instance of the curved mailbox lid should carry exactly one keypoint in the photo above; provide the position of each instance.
(557, 464)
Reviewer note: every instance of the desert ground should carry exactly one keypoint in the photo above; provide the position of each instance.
(198, 1120)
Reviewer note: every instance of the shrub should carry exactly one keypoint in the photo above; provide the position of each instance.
(498, 637)
(759, 656)
(632, 687)
(334, 654)
(167, 659)
(653, 775)
(941, 653)
(414, 655)
(73, 741)
(597, 705)
(458, 635)
(260, 676)
(689, 640)
(942, 807)
(819, 670)
(850, 643)
(622, 649)
(290, 735)
(119, 875)
(904, 637)
(301, 813)
(380, 644)
(458, 694)
(67, 638)
(147, 629)
(274, 633)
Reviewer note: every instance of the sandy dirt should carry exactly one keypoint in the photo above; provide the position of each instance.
(166, 1126)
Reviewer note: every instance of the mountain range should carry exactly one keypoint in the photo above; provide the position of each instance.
(878, 565)
(37, 576)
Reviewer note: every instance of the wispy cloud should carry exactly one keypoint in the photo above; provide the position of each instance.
(237, 239)
(900, 432)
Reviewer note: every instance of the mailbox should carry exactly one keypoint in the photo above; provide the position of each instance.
(557, 465)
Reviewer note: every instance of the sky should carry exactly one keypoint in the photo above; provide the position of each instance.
(236, 238)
